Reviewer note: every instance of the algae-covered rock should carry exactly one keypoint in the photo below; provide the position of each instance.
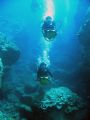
(4, 116)
(9, 52)
(61, 98)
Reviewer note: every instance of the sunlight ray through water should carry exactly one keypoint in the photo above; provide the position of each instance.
(49, 11)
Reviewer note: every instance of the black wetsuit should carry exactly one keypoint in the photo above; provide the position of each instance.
(49, 30)
(43, 73)
(48, 25)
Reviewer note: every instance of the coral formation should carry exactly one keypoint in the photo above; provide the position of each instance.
(62, 98)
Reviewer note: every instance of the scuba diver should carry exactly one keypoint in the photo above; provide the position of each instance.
(43, 74)
(48, 29)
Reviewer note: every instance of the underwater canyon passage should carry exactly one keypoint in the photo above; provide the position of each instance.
(22, 49)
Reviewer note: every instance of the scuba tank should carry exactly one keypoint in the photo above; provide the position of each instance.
(44, 80)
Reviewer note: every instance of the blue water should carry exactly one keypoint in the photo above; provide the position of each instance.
(22, 19)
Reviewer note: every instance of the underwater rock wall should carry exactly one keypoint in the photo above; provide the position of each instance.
(84, 73)
(84, 38)
(9, 54)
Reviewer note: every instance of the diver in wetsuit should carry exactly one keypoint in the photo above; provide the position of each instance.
(43, 74)
(49, 29)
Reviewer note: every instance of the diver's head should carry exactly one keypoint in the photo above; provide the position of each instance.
(43, 65)
(48, 18)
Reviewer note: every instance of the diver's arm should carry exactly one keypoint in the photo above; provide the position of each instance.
(43, 26)
(50, 73)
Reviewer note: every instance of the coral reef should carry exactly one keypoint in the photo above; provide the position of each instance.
(9, 53)
(62, 98)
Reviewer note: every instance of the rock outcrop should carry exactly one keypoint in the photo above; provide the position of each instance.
(9, 52)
